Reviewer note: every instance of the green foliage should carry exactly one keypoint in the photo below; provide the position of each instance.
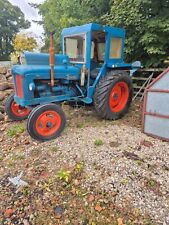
(146, 23)
(151, 183)
(98, 142)
(64, 175)
(11, 22)
(147, 26)
(18, 157)
(64, 13)
(79, 167)
(16, 130)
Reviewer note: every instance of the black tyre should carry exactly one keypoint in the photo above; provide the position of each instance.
(113, 95)
(15, 111)
(46, 122)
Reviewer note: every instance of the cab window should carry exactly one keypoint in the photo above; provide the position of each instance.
(115, 48)
(101, 51)
(75, 48)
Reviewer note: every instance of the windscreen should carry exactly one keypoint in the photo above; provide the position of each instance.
(75, 48)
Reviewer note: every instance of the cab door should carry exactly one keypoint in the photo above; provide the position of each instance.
(114, 46)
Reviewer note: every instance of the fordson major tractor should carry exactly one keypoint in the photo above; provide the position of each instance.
(90, 70)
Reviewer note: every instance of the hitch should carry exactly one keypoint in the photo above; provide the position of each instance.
(52, 58)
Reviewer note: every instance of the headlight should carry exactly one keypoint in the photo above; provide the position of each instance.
(31, 87)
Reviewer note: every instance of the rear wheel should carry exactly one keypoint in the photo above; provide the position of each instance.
(46, 122)
(15, 111)
(113, 95)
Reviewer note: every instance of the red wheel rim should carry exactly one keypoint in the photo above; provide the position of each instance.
(18, 110)
(48, 123)
(118, 97)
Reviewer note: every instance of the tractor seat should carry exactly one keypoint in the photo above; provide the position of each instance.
(94, 73)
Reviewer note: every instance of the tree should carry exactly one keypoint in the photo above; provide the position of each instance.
(146, 23)
(65, 13)
(21, 43)
(147, 26)
(11, 22)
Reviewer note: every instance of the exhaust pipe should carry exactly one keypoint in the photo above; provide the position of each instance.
(52, 58)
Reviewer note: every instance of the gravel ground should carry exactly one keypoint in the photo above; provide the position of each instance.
(140, 179)
(117, 157)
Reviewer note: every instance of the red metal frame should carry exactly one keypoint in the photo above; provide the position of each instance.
(159, 77)
(145, 103)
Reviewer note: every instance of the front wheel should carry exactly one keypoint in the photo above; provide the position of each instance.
(46, 122)
(15, 111)
(113, 95)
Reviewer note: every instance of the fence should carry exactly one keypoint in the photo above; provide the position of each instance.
(142, 78)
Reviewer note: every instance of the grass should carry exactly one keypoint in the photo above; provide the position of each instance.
(64, 175)
(18, 157)
(151, 183)
(55, 149)
(16, 130)
(10, 163)
(80, 125)
(139, 162)
(98, 142)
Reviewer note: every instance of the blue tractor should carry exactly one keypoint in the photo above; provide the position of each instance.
(90, 70)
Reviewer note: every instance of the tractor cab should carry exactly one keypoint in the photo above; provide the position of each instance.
(95, 49)
(92, 45)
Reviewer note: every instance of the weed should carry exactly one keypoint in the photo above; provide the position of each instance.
(148, 222)
(125, 181)
(55, 149)
(80, 125)
(10, 163)
(18, 157)
(152, 183)
(25, 191)
(16, 130)
(64, 175)
(139, 162)
(98, 142)
(1, 157)
(79, 167)
(48, 184)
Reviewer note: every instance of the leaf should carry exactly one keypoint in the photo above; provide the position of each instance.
(91, 198)
(120, 221)
(98, 208)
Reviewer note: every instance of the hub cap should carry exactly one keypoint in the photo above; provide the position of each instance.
(48, 123)
(118, 97)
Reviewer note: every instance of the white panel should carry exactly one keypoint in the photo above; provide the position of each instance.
(162, 83)
(158, 102)
(157, 126)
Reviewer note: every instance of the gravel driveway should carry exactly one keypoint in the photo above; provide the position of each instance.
(117, 157)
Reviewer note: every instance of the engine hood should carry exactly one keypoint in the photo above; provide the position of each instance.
(32, 58)
(43, 72)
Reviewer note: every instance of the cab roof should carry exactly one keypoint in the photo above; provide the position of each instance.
(92, 27)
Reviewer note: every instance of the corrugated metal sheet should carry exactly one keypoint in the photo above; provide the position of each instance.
(157, 126)
(157, 103)
(156, 107)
